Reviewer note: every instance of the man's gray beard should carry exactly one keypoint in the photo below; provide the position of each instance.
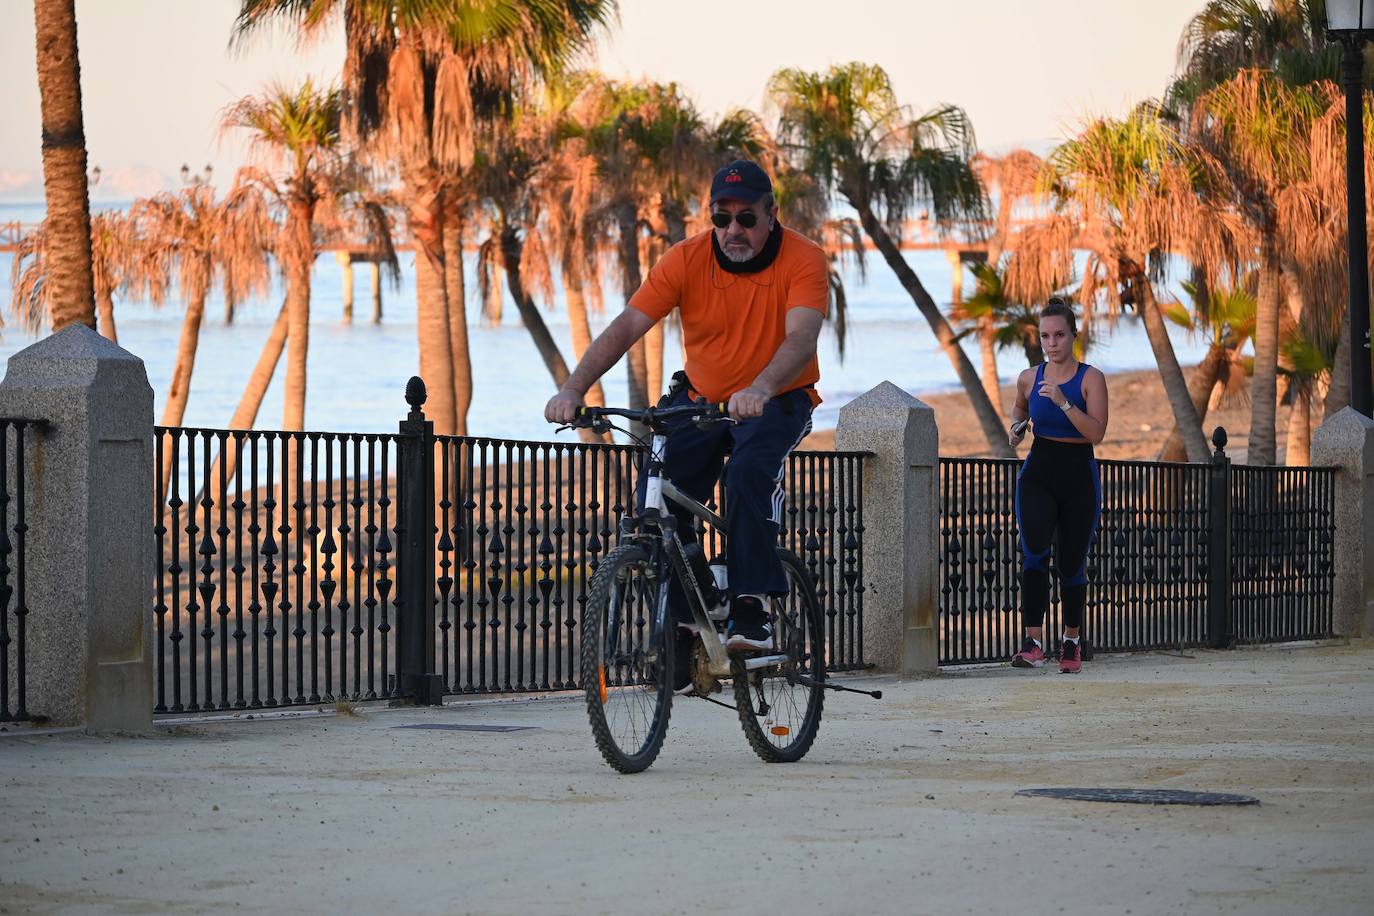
(737, 256)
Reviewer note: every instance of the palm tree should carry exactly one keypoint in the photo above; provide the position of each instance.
(845, 128)
(1131, 192)
(72, 298)
(1260, 131)
(116, 265)
(417, 76)
(297, 131)
(1227, 36)
(202, 242)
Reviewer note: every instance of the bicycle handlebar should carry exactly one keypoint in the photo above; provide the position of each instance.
(653, 417)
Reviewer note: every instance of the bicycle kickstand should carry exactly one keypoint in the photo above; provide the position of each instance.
(807, 681)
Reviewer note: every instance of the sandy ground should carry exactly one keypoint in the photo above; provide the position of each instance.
(905, 805)
(1139, 421)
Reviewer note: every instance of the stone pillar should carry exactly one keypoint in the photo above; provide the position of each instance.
(901, 526)
(345, 260)
(1346, 441)
(90, 542)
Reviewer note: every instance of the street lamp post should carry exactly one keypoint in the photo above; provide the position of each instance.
(1351, 22)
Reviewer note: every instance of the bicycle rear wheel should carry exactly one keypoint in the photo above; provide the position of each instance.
(626, 661)
(780, 714)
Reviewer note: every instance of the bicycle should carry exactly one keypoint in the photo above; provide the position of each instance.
(629, 639)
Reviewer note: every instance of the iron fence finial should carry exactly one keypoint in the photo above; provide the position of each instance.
(1219, 440)
(416, 395)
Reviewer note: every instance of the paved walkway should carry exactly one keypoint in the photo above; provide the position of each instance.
(905, 805)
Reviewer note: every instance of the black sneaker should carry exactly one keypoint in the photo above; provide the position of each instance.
(748, 626)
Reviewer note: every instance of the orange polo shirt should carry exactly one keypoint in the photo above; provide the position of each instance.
(733, 324)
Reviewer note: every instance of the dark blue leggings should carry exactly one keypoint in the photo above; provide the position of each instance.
(1058, 502)
(754, 495)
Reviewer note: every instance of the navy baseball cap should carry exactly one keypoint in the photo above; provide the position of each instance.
(741, 180)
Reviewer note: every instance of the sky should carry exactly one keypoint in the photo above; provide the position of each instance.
(156, 74)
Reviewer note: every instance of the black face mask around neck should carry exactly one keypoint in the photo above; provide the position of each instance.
(758, 262)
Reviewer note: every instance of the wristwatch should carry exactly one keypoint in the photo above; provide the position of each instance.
(1066, 406)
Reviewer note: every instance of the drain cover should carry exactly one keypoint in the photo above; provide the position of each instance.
(1144, 796)
(451, 727)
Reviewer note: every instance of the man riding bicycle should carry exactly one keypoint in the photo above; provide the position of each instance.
(751, 295)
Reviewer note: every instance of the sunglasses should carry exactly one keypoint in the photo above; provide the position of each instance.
(747, 219)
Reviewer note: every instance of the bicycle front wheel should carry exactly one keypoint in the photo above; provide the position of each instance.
(626, 660)
(780, 705)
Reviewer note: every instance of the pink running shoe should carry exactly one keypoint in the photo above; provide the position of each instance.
(1030, 656)
(1069, 658)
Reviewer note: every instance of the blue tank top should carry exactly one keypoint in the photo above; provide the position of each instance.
(1047, 417)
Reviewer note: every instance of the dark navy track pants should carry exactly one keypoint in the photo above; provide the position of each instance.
(754, 494)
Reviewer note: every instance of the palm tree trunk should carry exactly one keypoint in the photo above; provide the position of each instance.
(297, 315)
(246, 414)
(581, 330)
(1175, 388)
(987, 343)
(435, 340)
(636, 361)
(1264, 383)
(424, 214)
(511, 247)
(456, 289)
(105, 305)
(64, 165)
(1299, 452)
(653, 358)
(1200, 387)
(987, 415)
(178, 389)
(1338, 393)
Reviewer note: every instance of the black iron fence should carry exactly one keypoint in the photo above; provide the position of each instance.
(1185, 555)
(310, 567)
(17, 441)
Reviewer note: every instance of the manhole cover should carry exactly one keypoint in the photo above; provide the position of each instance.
(450, 727)
(1144, 796)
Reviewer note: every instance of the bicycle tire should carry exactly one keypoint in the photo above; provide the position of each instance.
(637, 681)
(808, 657)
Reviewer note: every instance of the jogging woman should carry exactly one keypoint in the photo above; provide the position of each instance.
(1057, 492)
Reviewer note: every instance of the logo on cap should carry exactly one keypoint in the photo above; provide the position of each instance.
(733, 176)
